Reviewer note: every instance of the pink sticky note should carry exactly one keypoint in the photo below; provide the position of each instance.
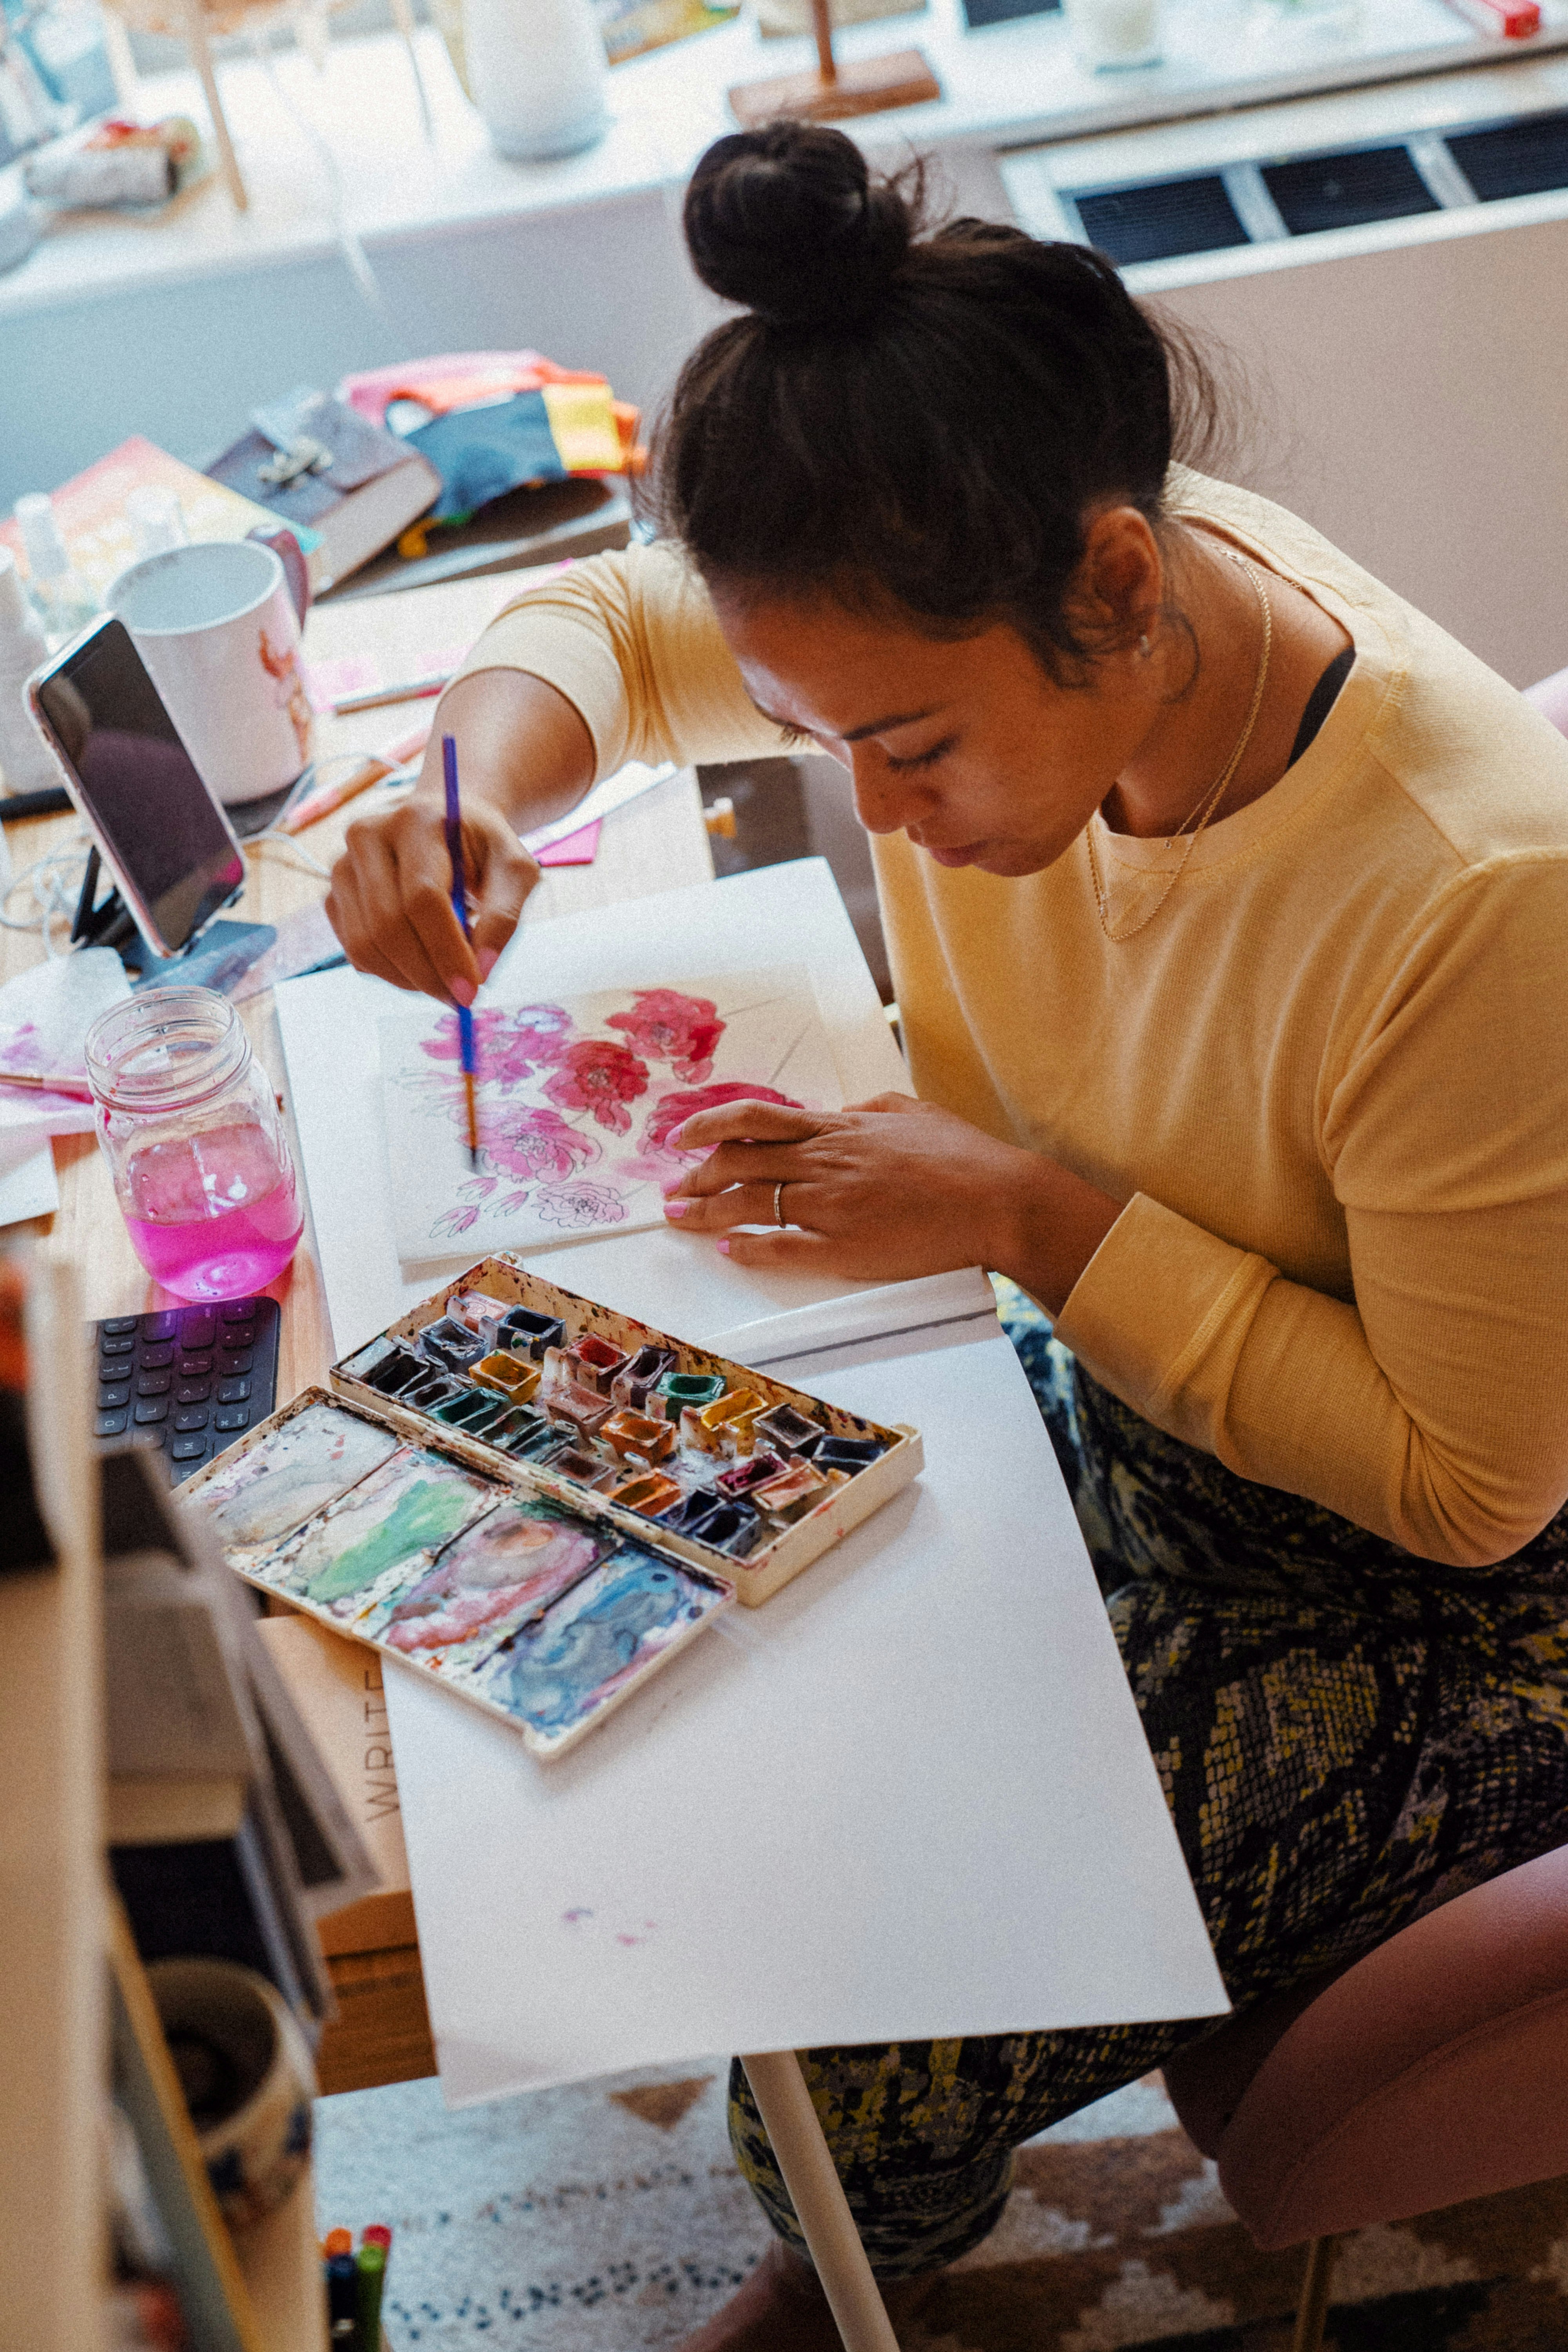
(578, 848)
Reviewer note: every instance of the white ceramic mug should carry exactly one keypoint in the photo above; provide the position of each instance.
(219, 631)
(1109, 35)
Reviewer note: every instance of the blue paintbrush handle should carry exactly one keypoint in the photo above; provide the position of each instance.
(455, 832)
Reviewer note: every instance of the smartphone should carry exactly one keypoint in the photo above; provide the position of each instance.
(173, 853)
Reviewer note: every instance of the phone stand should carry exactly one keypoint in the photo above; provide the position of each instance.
(108, 923)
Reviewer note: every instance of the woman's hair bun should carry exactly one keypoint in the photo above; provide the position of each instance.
(788, 221)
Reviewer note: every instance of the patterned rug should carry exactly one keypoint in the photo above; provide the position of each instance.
(610, 2217)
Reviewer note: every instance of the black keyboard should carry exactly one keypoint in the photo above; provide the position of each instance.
(188, 1380)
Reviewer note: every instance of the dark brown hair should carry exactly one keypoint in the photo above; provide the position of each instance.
(908, 416)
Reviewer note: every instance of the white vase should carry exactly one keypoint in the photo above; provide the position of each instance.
(536, 69)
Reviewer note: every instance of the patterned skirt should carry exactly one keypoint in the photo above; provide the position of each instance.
(1348, 1736)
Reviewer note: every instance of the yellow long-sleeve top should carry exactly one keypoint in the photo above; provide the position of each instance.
(1328, 1079)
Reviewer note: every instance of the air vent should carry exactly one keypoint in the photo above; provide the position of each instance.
(1514, 159)
(1369, 184)
(1160, 218)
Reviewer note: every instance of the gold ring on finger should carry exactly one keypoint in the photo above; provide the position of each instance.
(779, 1217)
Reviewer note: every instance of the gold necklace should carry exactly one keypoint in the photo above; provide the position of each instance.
(1211, 799)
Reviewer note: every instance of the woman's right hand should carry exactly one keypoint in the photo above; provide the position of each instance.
(390, 900)
(526, 758)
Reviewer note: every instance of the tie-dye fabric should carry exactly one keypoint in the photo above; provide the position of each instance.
(1348, 1737)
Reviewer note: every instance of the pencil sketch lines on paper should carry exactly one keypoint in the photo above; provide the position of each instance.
(579, 1101)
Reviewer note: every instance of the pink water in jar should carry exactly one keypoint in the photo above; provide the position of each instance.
(187, 1122)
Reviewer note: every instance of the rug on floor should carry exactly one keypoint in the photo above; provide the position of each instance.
(609, 2217)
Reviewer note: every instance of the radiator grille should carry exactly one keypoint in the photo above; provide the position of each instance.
(1514, 159)
(1160, 220)
(1370, 183)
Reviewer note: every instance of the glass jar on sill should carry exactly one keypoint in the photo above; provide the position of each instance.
(189, 1127)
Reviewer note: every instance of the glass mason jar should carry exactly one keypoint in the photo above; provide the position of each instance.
(189, 1127)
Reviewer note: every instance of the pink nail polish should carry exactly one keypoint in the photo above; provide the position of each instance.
(463, 991)
(723, 1249)
(676, 1208)
(487, 960)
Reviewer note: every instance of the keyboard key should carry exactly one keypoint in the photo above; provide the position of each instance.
(113, 1395)
(122, 1347)
(240, 1310)
(160, 1326)
(234, 1416)
(192, 1367)
(196, 1417)
(197, 1329)
(152, 1408)
(109, 1425)
(233, 1392)
(187, 1449)
(193, 1391)
(117, 1323)
(231, 1366)
(155, 1359)
(154, 1384)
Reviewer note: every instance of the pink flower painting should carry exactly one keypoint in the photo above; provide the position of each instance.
(667, 1026)
(670, 1111)
(578, 1206)
(509, 1046)
(595, 1074)
(535, 1146)
(577, 1101)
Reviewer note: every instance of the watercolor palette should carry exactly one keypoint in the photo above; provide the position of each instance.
(540, 1502)
(535, 1612)
(743, 1476)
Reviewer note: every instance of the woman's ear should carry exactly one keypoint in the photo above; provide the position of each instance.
(1115, 594)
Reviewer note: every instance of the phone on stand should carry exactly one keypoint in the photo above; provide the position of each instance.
(175, 857)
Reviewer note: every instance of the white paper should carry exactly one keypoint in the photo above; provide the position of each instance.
(909, 1796)
(576, 1098)
(782, 914)
(28, 1187)
(46, 1012)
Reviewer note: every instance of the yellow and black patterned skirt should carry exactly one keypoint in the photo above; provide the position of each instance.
(1348, 1737)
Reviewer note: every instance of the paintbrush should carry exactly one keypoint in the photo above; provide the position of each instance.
(53, 1082)
(460, 909)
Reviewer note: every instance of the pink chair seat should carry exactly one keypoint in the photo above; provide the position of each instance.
(1550, 696)
(1432, 2070)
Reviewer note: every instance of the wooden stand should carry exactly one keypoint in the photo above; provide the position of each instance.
(821, 2207)
(835, 92)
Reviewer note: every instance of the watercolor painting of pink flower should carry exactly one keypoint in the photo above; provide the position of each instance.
(536, 1146)
(595, 1075)
(510, 1043)
(669, 1027)
(579, 1205)
(669, 1111)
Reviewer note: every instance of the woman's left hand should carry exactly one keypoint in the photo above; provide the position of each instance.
(883, 1191)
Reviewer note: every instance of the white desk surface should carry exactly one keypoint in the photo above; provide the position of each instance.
(911, 1796)
(1005, 85)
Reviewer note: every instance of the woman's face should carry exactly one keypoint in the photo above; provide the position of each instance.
(965, 745)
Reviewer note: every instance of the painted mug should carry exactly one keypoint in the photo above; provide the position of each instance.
(217, 625)
(248, 2080)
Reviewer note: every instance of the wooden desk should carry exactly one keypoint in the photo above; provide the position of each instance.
(659, 843)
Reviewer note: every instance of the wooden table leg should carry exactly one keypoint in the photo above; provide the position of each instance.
(817, 2195)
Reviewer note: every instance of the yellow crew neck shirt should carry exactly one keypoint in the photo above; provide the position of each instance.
(1328, 1077)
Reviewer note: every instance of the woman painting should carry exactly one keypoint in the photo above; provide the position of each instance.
(1227, 905)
